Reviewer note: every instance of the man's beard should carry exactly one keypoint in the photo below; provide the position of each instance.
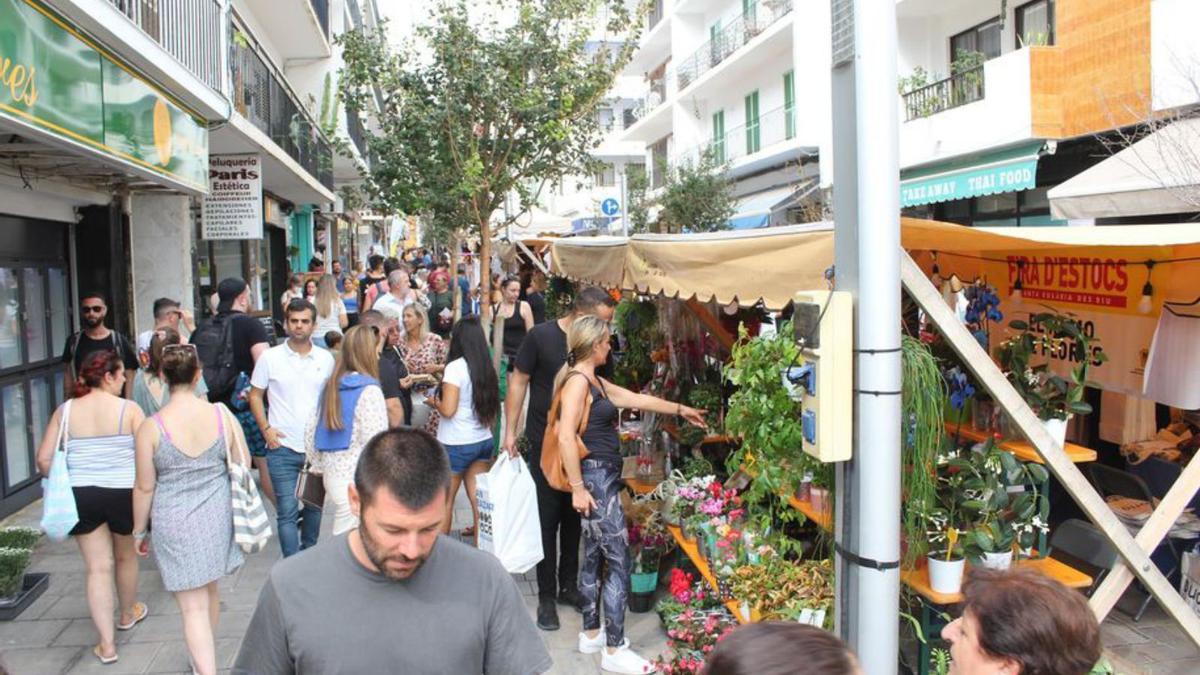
(92, 320)
(379, 559)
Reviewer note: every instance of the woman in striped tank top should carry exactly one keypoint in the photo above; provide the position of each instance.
(98, 439)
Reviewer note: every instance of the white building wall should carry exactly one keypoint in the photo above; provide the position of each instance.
(1174, 53)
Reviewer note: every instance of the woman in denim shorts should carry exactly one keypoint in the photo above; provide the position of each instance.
(469, 403)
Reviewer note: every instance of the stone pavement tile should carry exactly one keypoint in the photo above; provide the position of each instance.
(158, 628)
(160, 602)
(38, 660)
(233, 624)
(574, 663)
(68, 607)
(38, 608)
(63, 583)
(30, 633)
(82, 633)
(173, 657)
(58, 562)
(1170, 642)
(1179, 667)
(135, 658)
(1113, 634)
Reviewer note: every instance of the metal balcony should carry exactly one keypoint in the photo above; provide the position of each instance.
(958, 89)
(189, 30)
(730, 39)
(262, 96)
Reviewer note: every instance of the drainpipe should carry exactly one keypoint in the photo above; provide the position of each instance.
(867, 246)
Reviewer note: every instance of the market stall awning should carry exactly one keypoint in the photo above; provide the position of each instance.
(1158, 174)
(536, 222)
(755, 210)
(591, 260)
(1010, 170)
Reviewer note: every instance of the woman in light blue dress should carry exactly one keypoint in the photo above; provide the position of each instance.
(150, 391)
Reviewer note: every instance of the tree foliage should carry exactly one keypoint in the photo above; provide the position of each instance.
(489, 100)
(697, 197)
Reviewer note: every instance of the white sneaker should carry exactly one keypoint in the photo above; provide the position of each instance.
(589, 645)
(625, 661)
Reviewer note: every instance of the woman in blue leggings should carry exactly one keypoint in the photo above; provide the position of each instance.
(596, 486)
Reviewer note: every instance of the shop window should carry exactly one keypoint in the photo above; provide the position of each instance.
(958, 211)
(984, 38)
(60, 296)
(1035, 23)
(10, 318)
(35, 315)
(18, 463)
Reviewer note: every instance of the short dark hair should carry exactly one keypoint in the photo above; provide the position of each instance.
(391, 264)
(592, 297)
(163, 306)
(1032, 619)
(297, 305)
(780, 648)
(99, 295)
(374, 261)
(333, 338)
(373, 317)
(410, 463)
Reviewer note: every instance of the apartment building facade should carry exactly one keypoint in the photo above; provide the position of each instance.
(1002, 102)
(109, 114)
(747, 81)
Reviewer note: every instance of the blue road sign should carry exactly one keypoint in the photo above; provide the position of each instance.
(610, 207)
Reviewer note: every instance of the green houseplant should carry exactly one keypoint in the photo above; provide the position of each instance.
(923, 418)
(1004, 503)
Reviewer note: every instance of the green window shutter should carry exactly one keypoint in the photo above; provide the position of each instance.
(718, 137)
(789, 105)
(753, 138)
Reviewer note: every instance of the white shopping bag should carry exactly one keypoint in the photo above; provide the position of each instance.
(1189, 583)
(508, 515)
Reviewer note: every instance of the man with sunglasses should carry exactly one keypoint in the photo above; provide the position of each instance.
(96, 337)
(168, 313)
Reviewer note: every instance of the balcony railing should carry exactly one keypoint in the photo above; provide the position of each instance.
(321, 9)
(772, 127)
(263, 97)
(958, 89)
(189, 30)
(357, 133)
(731, 38)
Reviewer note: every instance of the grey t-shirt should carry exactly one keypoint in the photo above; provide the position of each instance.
(323, 613)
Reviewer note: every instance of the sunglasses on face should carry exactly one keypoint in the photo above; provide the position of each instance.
(93, 309)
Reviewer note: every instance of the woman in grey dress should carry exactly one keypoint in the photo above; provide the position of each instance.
(183, 487)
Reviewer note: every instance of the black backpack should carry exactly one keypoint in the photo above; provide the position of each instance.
(214, 347)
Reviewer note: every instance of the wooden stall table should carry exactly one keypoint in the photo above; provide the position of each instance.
(918, 580)
(691, 550)
(1022, 450)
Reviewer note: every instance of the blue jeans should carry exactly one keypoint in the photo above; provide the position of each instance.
(298, 527)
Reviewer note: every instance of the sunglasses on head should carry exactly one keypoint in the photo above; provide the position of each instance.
(93, 309)
(186, 347)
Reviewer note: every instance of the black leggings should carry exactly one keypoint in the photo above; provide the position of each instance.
(560, 524)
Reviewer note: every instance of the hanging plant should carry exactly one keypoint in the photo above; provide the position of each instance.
(922, 411)
(637, 324)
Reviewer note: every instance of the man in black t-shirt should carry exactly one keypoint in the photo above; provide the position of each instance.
(543, 352)
(393, 374)
(96, 337)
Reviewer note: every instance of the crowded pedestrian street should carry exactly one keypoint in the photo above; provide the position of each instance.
(684, 337)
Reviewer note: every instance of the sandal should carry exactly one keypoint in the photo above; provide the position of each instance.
(140, 612)
(106, 660)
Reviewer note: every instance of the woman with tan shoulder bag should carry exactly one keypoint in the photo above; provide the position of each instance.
(587, 425)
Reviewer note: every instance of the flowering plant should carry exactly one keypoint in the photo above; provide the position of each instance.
(1003, 500)
(691, 635)
(648, 539)
(1051, 335)
(983, 307)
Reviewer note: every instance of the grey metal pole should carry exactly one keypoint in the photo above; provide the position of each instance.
(867, 240)
(624, 210)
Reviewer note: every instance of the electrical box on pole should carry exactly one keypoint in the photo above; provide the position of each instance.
(823, 323)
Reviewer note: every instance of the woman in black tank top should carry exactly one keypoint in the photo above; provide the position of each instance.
(596, 486)
(516, 315)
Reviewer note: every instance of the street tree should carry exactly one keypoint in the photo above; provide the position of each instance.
(488, 100)
(697, 197)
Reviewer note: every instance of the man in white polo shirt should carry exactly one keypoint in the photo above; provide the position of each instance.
(292, 374)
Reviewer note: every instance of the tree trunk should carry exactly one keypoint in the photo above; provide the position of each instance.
(455, 257)
(493, 332)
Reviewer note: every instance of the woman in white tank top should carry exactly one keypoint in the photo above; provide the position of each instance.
(98, 427)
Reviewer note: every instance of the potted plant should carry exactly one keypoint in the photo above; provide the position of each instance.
(945, 523)
(18, 589)
(922, 410)
(1003, 518)
(647, 543)
(1053, 397)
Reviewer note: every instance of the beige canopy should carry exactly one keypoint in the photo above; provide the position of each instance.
(771, 264)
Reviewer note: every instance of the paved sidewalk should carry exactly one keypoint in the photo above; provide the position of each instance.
(55, 635)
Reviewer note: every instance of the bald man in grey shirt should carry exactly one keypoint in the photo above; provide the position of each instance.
(392, 596)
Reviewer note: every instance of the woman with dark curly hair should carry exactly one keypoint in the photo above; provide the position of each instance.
(1021, 622)
(781, 648)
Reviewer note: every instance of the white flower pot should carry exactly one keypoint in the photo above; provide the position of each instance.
(946, 577)
(997, 561)
(1057, 430)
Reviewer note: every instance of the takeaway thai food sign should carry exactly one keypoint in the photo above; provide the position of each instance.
(60, 83)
